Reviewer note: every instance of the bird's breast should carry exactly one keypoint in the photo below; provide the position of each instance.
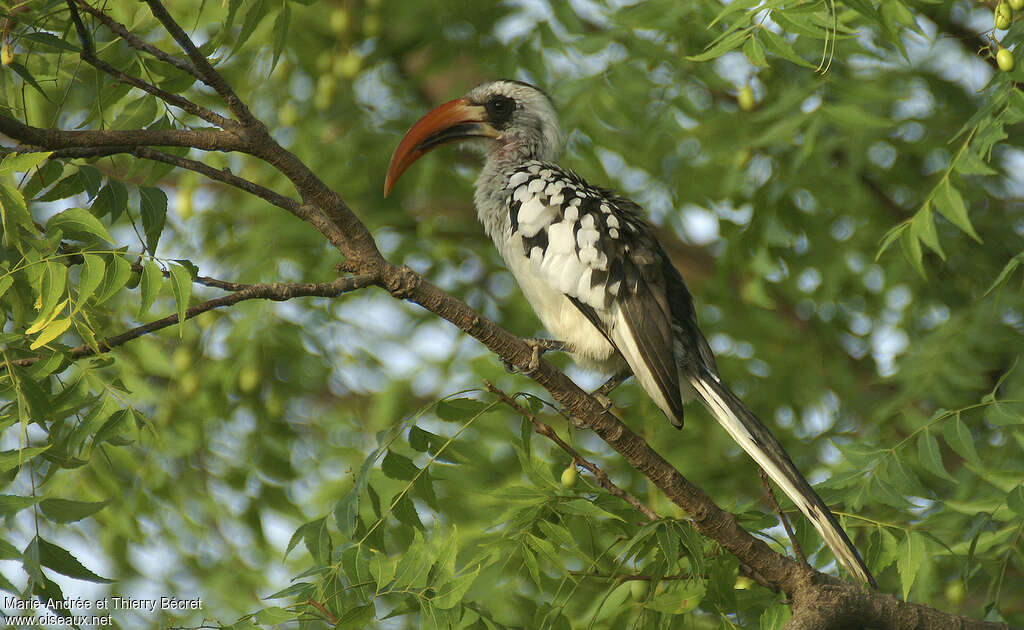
(560, 317)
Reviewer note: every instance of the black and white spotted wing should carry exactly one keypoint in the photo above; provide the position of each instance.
(590, 245)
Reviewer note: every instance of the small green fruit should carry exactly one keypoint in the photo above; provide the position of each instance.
(181, 360)
(569, 476)
(6, 54)
(133, 280)
(248, 379)
(955, 592)
(638, 590)
(189, 384)
(347, 66)
(742, 583)
(339, 21)
(1004, 58)
(1017, 5)
(288, 115)
(1004, 16)
(746, 99)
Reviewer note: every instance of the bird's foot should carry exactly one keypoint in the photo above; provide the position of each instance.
(539, 347)
(601, 393)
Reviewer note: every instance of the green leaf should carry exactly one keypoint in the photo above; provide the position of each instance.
(112, 199)
(382, 568)
(405, 511)
(450, 593)
(281, 24)
(948, 201)
(909, 559)
(1015, 500)
(27, 76)
(153, 207)
(1008, 269)
(8, 552)
(677, 599)
(68, 511)
(115, 276)
(274, 615)
(931, 457)
(13, 213)
(181, 286)
(54, 329)
(723, 45)
(357, 617)
(754, 51)
(398, 466)
(414, 566)
(922, 227)
(346, 513)
(22, 162)
(90, 277)
(775, 616)
(10, 504)
(459, 409)
(50, 41)
(78, 221)
(60, 560)
(777, 45)
(150, 283)
(137, 114)
(583, 507)
(318, 541)
(257, 11)
(84, 179)
(959, 438)
(18, 457)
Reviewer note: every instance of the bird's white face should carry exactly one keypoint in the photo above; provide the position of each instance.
(531, 129)
(507, 119)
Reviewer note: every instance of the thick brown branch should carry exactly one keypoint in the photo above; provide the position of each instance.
(39, 139)
(549, 432)
(277, 291)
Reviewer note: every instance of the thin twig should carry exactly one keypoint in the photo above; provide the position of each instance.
(549, 432)
(277, 291)
(122, 31)
(89, 56)
(303, 211)
(782, 517)
(331, 619)
(207, 74)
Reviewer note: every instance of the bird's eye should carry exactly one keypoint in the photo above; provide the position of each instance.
(499, 108)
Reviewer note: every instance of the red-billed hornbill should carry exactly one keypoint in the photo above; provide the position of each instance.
(596, 276)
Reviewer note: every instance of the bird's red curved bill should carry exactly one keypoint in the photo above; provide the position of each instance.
(442, 117)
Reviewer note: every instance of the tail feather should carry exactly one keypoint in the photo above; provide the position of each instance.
(755, 438)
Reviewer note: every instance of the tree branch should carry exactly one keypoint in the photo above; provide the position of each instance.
(277, 291)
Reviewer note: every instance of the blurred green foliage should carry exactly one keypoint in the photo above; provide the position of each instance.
(853, 234)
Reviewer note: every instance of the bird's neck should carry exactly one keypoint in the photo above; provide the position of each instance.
(492, 194)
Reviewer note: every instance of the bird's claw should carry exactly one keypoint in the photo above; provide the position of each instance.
(537, 348)
(606, 403)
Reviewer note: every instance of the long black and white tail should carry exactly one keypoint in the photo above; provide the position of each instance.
(755, 438)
